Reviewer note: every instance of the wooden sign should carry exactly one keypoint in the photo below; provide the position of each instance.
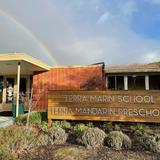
(132, 106)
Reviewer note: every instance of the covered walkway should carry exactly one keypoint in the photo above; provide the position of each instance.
(16, 71)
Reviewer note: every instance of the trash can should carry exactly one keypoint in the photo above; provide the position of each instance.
(20, 109)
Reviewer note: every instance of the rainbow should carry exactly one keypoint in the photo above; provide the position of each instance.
(29, 33)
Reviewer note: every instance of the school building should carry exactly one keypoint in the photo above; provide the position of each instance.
(27, 78)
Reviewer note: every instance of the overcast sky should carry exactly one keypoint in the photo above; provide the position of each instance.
(75, 32)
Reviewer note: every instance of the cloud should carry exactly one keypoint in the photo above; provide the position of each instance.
(104, 17)
(78, 32)
(152, 56)
(128, 8)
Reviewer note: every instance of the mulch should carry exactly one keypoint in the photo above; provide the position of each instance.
(103, 153)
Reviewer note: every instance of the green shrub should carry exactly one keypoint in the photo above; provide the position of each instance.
(42, 140)
(56, 124)
(107, 126)
(93, 137)
(20, 120)
(35, 118)
(79, 129)
(117, 140)
(44, 125)
(114, 140)
(90, 124)
(57, 135)
(62, 124)
(65, 124)
(14, 140)
(150, 142)
(43, 116)
(139, 128)
(117, 127)
(5, 154)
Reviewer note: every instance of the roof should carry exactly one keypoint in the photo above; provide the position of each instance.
(23, 57)
(29, 64)
(134, 68)
(78, 66)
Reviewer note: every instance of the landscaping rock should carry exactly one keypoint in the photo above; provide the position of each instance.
(57, 135)
(117, 140)
(93, 137)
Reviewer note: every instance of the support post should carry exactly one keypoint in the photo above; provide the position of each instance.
(49, 121)
(4, 89)
(28, 90)
(125, 82)
(15, 88)
(18, 86)
(146, 82)
(106, 78)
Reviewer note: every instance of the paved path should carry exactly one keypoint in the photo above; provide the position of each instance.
(6, 121)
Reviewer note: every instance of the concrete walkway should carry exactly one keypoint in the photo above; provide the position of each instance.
(6, 121)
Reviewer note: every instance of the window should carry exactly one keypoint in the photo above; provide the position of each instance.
(154, 82)
(120, 83)
(116, 82)
(136, 82)
(111, 83)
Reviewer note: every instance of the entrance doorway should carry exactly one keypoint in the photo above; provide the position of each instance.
(10, 90)
(23, 85)
(22, 89)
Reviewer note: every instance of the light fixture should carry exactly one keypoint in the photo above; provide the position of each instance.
(134, 76)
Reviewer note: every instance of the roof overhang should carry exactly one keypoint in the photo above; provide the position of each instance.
(134, 68)
(29, 65)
